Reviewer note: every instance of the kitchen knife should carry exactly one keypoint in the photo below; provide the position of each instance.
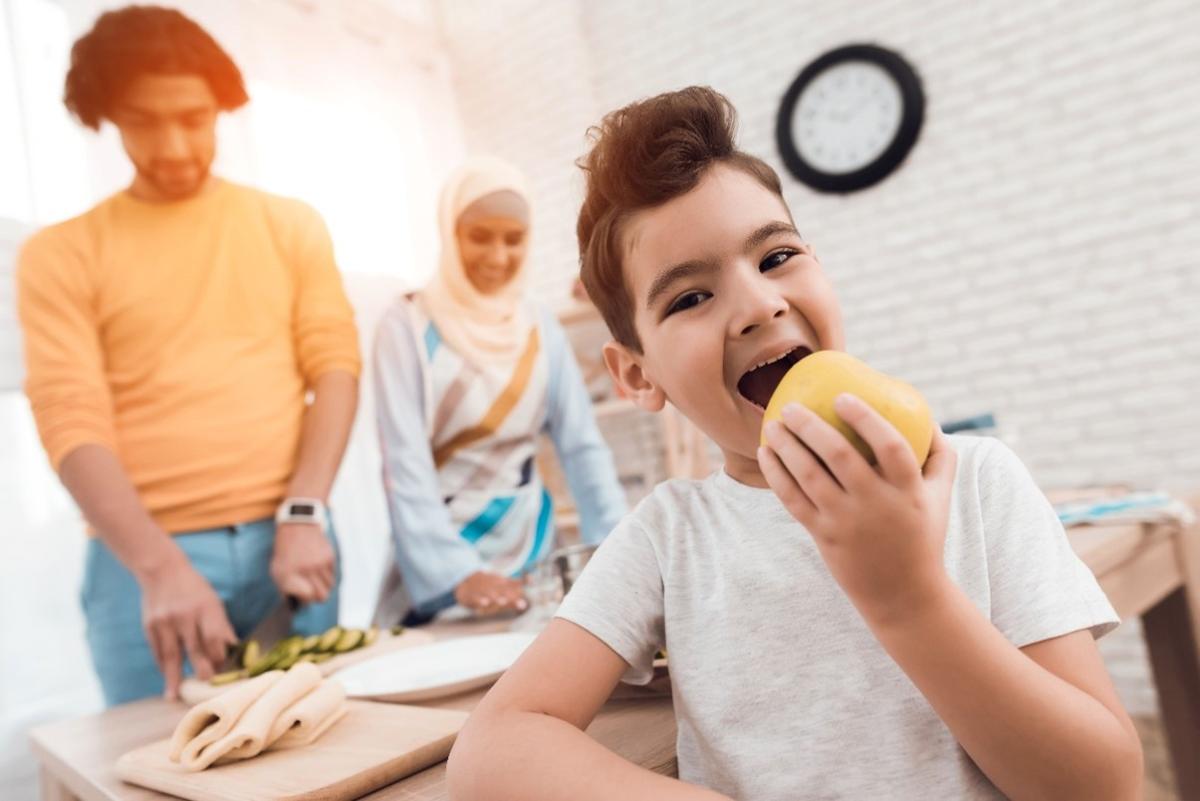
(270, 630)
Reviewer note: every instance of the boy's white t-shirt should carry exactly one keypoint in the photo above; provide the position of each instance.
(780, 689)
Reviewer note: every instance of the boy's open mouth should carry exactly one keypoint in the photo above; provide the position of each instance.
(759, 383)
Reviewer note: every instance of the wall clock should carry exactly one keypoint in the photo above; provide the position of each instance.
(850, 118)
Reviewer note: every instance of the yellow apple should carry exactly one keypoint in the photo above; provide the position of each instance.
(817, 379)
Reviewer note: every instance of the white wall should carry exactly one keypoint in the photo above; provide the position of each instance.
(1036, 256)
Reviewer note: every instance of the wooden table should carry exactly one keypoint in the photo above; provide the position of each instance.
(1147, 570)
(77, 756)
(1153, 571)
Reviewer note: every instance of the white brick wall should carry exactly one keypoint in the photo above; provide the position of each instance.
(1037, 254)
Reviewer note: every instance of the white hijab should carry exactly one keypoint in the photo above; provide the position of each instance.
(484, 329)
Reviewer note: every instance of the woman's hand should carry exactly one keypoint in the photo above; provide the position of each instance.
(490, 594)
(881, 528)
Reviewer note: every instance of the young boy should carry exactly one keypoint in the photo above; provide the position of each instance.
(835, 629)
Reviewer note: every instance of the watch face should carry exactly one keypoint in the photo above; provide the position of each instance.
(302, 509)
(847, 117)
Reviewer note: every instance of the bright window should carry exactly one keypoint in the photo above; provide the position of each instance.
(356, 170)
(53, 157)
(15, 201)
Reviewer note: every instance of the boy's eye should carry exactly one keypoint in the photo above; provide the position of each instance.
(776, 259)
(685, 301)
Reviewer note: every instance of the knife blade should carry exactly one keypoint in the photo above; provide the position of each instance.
(268, 631)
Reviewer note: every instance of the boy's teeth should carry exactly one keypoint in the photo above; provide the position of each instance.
(771, 361)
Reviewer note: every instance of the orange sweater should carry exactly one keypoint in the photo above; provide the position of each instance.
(183, 337)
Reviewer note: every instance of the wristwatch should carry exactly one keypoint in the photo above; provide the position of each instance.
(301, 510)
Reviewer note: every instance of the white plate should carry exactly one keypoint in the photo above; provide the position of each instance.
(435, 670)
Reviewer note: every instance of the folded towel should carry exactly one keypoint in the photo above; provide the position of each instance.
(1130, 507)
(307, 719)
(208, 722)
(249, 734)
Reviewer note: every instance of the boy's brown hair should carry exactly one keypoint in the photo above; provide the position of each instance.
(644, 155)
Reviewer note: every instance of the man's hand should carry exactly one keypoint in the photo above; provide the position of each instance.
(303, 564)
(490, 594)
(184, 616)
(881, 528)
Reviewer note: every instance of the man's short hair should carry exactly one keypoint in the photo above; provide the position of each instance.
(642, 156)
(135, 40)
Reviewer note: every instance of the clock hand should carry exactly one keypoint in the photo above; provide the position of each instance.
(858, 107)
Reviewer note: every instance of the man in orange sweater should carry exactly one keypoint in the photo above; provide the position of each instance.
(172, 336)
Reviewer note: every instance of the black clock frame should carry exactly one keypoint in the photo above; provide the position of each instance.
(912, 98)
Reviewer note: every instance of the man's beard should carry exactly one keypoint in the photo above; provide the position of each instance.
(175, 180)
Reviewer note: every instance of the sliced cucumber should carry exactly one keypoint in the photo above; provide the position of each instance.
(288, 643)
(228, 677)
(264, 664)
(290, 650)
(330, 638)
(251, 653)
(350, 639)
(286, 662)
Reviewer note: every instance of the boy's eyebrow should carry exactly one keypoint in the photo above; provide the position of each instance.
(765, 232)
(664, 280)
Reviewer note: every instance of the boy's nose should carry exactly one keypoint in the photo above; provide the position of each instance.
(752, 326)
(760, 304)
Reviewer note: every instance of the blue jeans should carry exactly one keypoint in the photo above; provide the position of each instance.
(234, 559)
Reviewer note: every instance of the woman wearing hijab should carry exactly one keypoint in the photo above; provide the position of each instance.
(467, 375)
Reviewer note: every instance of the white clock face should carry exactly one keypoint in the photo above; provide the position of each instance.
(846, 117)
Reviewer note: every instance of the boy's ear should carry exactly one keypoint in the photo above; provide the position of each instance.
(625, 367)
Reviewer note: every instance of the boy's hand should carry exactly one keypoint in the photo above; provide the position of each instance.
(881, 528)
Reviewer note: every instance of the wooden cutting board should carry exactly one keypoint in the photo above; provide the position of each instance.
(372, 746)
(193, 691)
